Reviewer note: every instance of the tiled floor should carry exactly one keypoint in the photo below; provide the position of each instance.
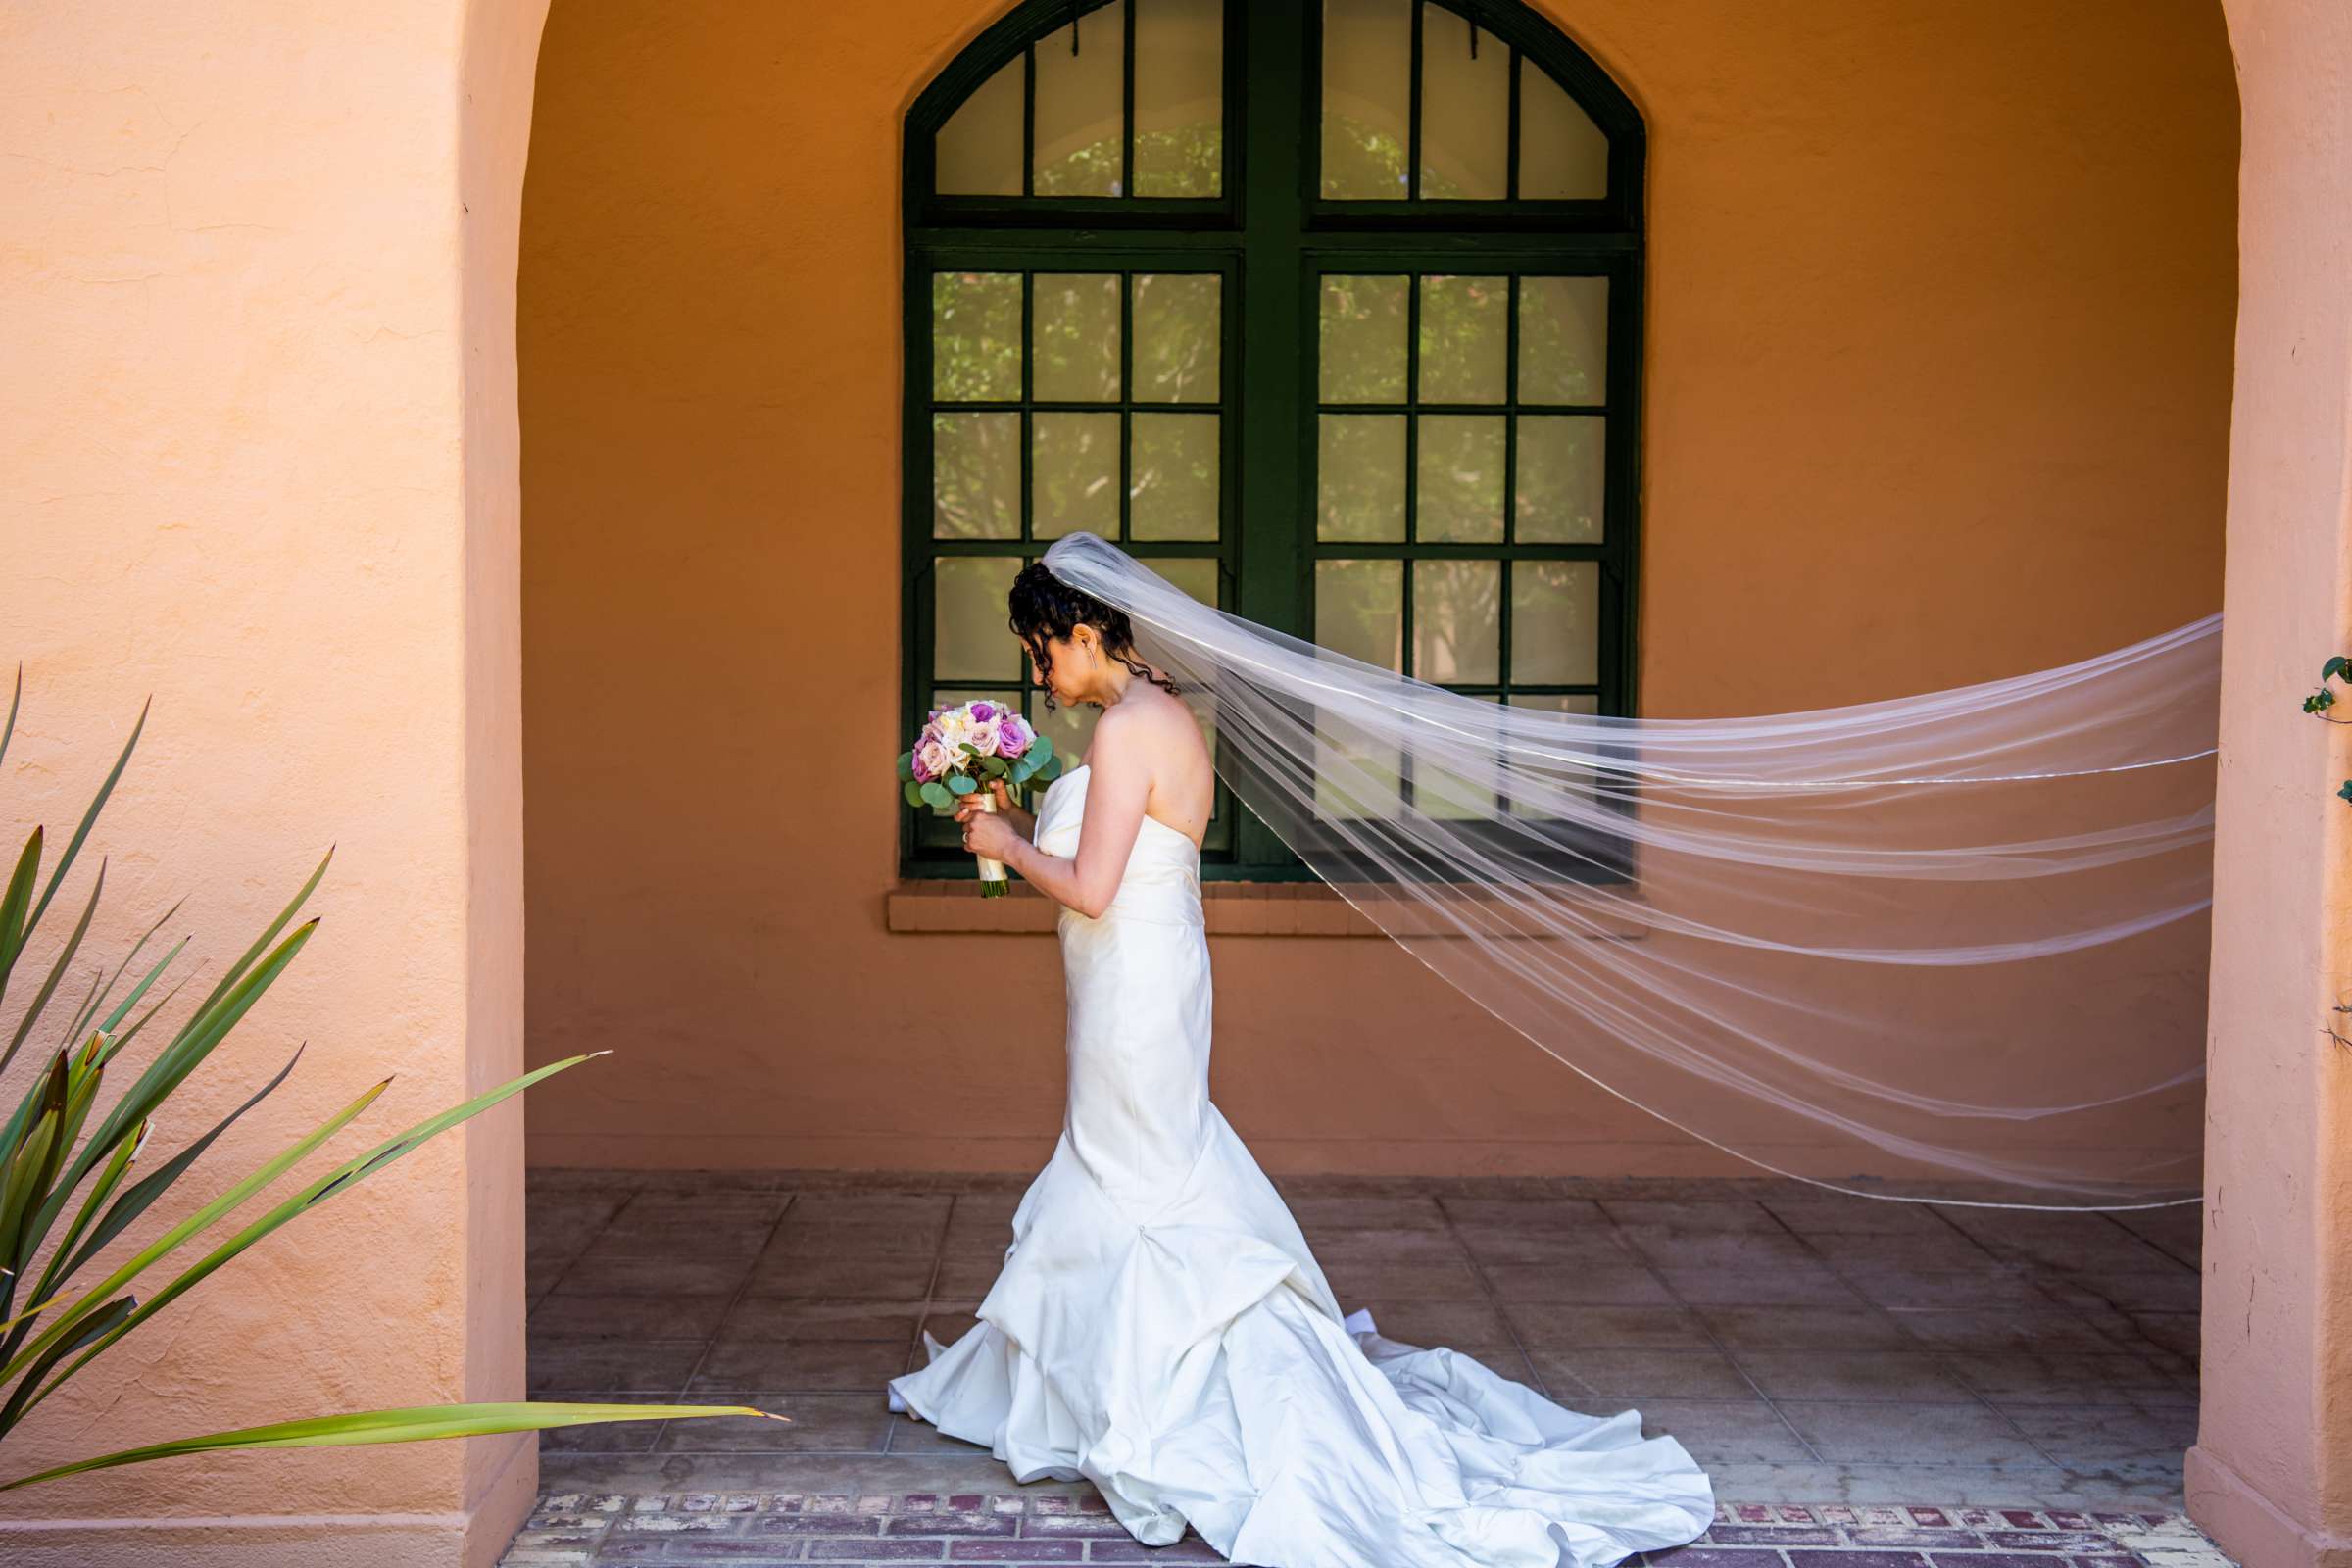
(1807, 1348)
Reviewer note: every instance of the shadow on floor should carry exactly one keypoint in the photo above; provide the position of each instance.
(1805, 1347)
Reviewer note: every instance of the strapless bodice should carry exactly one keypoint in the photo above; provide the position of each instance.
(1162, 879)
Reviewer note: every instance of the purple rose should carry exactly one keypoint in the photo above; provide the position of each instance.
(1014, 736)
(983, 711)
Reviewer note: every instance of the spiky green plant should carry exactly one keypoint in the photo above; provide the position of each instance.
(59, 1151)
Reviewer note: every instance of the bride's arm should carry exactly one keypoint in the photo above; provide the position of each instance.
(1118, 786)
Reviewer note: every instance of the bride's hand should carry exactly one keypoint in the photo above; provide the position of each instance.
(991, 837)
(968, 807)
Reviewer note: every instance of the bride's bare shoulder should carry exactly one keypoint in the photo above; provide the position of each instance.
(1147, 722)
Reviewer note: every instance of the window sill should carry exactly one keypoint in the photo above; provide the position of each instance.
(937, 908)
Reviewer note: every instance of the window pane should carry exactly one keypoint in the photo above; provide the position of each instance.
(1355, 777)
(1179, 97)
(1359, 476)
(1459, 474)
(1450, 796)
(1195, 575)
(1360, 610)
(1562, 480)
(1464, 322)
(1179, 336)
(1587, 704)
(1562, 154)
(1363, 323)
(1465, 111)
(1070, 728)
(978, 151)
(1074, 474)
(1564, 339)
(1173, 494)
(976, 475)
(1457, 622)
(1367, 98)
(1075, 337)
(1556, 623)
(971, 640)
(1081, 125)
(976, 338)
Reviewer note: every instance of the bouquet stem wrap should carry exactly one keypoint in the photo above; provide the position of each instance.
(991, 872)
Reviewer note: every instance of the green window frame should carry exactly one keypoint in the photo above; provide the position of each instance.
(1260, 222)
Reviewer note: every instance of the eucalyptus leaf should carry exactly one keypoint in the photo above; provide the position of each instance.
(937, 795)
(962, 783)
(913, 793)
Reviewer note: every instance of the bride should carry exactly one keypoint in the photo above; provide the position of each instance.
(1160, 1327)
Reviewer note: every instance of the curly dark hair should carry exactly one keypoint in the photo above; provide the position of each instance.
(1042, 606)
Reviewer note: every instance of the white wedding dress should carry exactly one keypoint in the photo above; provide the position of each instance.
(1160, 1328)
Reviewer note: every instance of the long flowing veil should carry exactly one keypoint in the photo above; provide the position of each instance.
(1949, 946)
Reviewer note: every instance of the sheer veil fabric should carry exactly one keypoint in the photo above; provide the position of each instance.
(1949, 946)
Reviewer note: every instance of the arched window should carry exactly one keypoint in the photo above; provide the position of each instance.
(1329, 310)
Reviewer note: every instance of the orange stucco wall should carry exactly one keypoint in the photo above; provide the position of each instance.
(1940, 304)
(259, 453)
(2271, 1474)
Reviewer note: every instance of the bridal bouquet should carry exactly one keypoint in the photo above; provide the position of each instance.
(960, 749)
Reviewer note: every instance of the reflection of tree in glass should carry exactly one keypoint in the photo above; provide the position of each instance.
(975, 476)
(1178, 338)
(1361, 479)
(975, 336)
(1563, 333)
(1364, 338)
(1173, 476)
(1091, 170)
(1460, 464)
(1359, 159)
(1360, 610)
(1074, 474)
(1076, 325)
(1457, 620)
(1463, 322)
(1188, 161)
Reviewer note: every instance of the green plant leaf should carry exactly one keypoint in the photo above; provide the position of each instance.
(913, 793)
(936, 794)
(15, 904)
(139, 1197)
(188, 1049)
(2346, 791)
(89, 819)
(318, 1192)
(417, 1424)
(960, 784)
(57, 970)
(245, 961)
(1040, 749)
(103, 1321)
(194, 1225)
(906, 765)
(2338, 665)
(8, 733)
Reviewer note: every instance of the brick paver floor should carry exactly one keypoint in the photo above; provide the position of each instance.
(1872, 1385)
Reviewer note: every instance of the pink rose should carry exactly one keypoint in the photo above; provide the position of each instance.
(933, 760)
